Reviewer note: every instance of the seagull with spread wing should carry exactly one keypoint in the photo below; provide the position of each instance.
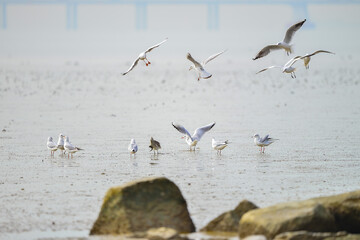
(307, 57)
(142, 56)
(263, 142)
(195, 138)
(199, 67)
(285, 44)
(287, 68)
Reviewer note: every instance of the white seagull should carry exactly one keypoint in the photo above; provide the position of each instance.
(199, 67)
(307, 57)
(60, 143)
(285, 44)
(219, 145)
(142, 56)
(195, 138)
(263, 142)
(133, 147)
(51, 146)
(287, 68)
(69, 148)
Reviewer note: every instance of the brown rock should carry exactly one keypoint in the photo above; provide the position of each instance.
(304, 235)
(345, 208)
(229, 221)
(286, 217)
(142, 205)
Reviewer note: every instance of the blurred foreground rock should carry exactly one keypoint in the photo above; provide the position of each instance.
(229, 221)
(325, 214)
(141, 205)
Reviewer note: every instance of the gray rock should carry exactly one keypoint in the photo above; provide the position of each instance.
(141, 205)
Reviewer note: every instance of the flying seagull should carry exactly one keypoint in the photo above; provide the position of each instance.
(307, 57)
(195, 138)
(287, 68)
(142, 56)
(199, 67)
(284, 44)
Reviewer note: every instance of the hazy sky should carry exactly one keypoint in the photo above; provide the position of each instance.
(110, 29)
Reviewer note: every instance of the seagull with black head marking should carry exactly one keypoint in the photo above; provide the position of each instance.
(284, 44)
(142, 56)
(199, 67)
(195, 138)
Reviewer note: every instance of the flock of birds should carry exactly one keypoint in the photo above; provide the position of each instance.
(66, 147)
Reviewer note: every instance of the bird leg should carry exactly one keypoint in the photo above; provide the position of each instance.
(263, 150)
(294, 75)
(145, 62)
(148, 61)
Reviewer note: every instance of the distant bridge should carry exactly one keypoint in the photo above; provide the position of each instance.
(300, 7)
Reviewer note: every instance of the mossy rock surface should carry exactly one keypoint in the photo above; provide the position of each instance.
(229, 221)
(142, 205)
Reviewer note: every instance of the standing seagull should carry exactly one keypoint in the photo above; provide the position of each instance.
(69, 148)
(195, 138)
(285, 44)
(60, 143)
(287, 68)
(263, 142)
(154, 145)
(133, 147)
(218, 145)
(307, 57)
(199, 67)
(142, 56)
(51, 146)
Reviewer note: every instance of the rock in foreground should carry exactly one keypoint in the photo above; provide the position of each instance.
(229, 221)
(286, 217)
(324, 214)
(141, 205)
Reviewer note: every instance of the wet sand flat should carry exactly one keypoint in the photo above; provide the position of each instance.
(316, 117)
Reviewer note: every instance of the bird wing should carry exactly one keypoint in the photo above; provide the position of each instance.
(181, 129)
(292, 61)
(264, 138)
(204, 74)
(196, 63)
(291, 31)
(266, 50)
(155, 46)
(268, 68)
(212, 57)
(70, 146)
(316, 52)
(51, 145)
(132, 66)
(199, 132)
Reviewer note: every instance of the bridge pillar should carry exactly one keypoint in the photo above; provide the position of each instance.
(71, 16)
(141, 16)
(213, 16)
(3, 16)
(301, 12)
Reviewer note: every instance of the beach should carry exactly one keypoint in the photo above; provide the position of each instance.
(316, 118)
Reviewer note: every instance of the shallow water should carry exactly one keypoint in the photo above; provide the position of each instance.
(316, 117)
